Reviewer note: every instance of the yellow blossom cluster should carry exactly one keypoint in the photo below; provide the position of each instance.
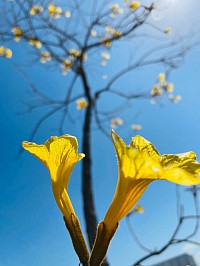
(107, 42)
(115, 122)
(174, 99)
(134, 5)
(163, 85)
(81, 104)
(105, 57)
(66, 66)
(73, 53)
(136, 127)
(116, 10)
(35, 10)
(5, 52)
(45, 57)
(56, 11)
(17, 31)
(113, 32)
(35, 42)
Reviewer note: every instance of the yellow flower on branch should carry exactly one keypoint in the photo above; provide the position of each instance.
(136, 127)
(81, 104)
(170, 87)
(17, 31)
(59, 155)
(5, 52)
(66, 66)
(54, 11)
(161, 77)
(134, 5)
(139, 164)
(36, 43)
(156, 91)
(67, 14)
(115, 122)
(35, 10)
(139, 209)
(45, 57)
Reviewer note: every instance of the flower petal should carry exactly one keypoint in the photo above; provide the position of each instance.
(142, 144)
(181, 177)
(119, 144)
(40, 151)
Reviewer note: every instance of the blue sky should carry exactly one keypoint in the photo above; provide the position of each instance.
(31, 226)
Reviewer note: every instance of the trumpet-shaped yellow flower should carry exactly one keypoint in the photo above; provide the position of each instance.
(139, 165)
(59, 155)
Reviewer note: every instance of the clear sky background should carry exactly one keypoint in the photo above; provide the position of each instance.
(32, 232)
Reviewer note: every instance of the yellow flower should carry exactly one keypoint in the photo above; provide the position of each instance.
(44, 57)
(175, 99)
(139, 209)
(36, 9)
(81, 104)
(136, 127)
(168, 30)
(6, 52)
(156, 91)
(115, 122)
(74, 53)
(107, 42)
(93, 33)
(54, 11)
(59, 155)
(2, 50)
(36, 43)
(134, 5)
(139, 165)
(67, 14)
(161, 77)
(170, 87)
(17, 31)
(66, 66)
